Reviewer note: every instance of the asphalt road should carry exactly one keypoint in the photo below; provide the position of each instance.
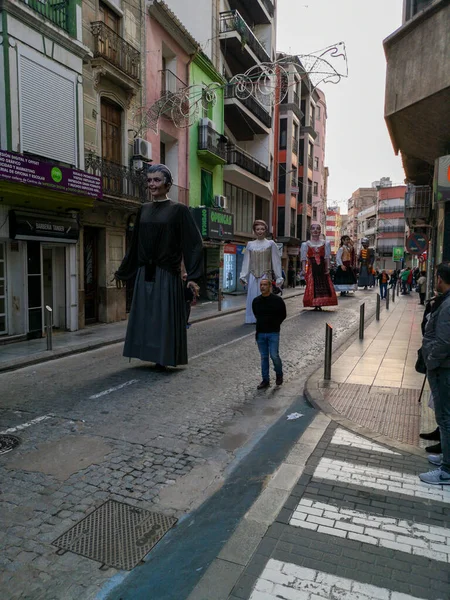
(98, 427)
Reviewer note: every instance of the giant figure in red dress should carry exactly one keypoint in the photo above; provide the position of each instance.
(315, 254)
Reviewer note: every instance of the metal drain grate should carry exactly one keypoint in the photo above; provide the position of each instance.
(8, 443)
(116, 534)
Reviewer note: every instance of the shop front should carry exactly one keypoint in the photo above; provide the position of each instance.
(217, 230)
(232, 267)
(39, 231)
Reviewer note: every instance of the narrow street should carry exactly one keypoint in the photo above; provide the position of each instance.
(95, 427)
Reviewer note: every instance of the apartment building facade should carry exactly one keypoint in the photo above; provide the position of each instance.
(361, 199)
(417, 115)
(115, 150)
(333, 229)
(390, 225)
(320, 171)
(43, 183)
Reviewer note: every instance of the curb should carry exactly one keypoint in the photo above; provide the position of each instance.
(312, 390)
(48, 355)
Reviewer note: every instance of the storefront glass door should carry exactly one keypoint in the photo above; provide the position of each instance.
(3, 327)
(54, 276)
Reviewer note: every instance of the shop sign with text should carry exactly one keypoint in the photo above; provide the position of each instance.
(214, 224)
(18, 168)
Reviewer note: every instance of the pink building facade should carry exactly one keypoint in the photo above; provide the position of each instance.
(168, 62)
(319, 198)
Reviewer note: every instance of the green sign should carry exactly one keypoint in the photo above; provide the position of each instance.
(214, 224)
(397, 253)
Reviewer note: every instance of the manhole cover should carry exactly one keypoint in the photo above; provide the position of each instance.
(116, 534)
(8, 443)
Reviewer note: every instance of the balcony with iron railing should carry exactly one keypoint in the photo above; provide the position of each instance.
(239, 157)
(391, 209)
(56, 11)
(212, 147)
(231, 21)
(171, 86)
(118, 180)
(116, 51)
(391, 229)
(258, 110)
(418, 201)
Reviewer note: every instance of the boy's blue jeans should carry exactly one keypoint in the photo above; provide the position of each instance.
(268, 344)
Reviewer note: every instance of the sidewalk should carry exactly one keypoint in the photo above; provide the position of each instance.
(345, 516)
(20, 354)
(373, 381)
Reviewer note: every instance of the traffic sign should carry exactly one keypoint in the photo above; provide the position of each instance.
(397, 253)
(417, 243)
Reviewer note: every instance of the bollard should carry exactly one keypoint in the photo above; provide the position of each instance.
(393, 294)
(219, 305)
(328, 351)
(361, 321)
(387, 301)
(377, 314)
(49, 326)
(398, 288)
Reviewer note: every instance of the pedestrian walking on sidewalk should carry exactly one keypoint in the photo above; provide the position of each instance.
(422, 285)
(436, 354)
(383, 279)
(270, 312)
(404, 276)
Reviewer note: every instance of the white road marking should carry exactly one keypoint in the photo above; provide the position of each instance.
(380, 479)
(291, 582)
(347, 438)
(25, 425)
(113, 389)
(398, 534)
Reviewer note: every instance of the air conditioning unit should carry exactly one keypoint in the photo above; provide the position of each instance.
(142, 149)
(205, 122)
(221, 202)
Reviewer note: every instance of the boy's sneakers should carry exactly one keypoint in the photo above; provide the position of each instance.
(436, 477)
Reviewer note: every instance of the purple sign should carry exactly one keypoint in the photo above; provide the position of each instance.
(21, 169)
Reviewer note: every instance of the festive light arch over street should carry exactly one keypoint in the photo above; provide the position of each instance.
(267, 82)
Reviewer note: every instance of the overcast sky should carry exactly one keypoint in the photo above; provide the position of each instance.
(358, 147)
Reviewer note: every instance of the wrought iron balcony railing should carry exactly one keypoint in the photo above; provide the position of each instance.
(118, 180)
(253, 105)
(113, 48)
(237, 156)
(391, 209)
(418, 203)
(170, 83)
(211, 140)
(295, 146)
(230, 21)
(56, 11)
(391, 229)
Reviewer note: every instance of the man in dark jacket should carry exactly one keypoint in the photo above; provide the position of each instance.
(270, 312)
(436, 354)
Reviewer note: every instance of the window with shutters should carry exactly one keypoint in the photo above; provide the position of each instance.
(109, 17)
(111, 117)
(47, 105)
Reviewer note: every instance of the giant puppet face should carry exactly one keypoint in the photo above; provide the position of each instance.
(365, 243)
(316, 230)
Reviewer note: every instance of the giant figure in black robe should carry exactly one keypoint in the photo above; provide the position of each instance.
(164, 234)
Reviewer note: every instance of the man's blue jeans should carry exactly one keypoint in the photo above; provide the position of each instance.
(383, 290)
(268, 344)
(439, 380)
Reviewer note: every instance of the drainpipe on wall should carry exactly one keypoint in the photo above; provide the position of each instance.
(188, 69)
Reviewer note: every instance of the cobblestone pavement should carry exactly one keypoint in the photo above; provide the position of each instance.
(358, 525)
(113, 430)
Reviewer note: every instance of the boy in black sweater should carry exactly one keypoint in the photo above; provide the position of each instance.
(270, 312)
